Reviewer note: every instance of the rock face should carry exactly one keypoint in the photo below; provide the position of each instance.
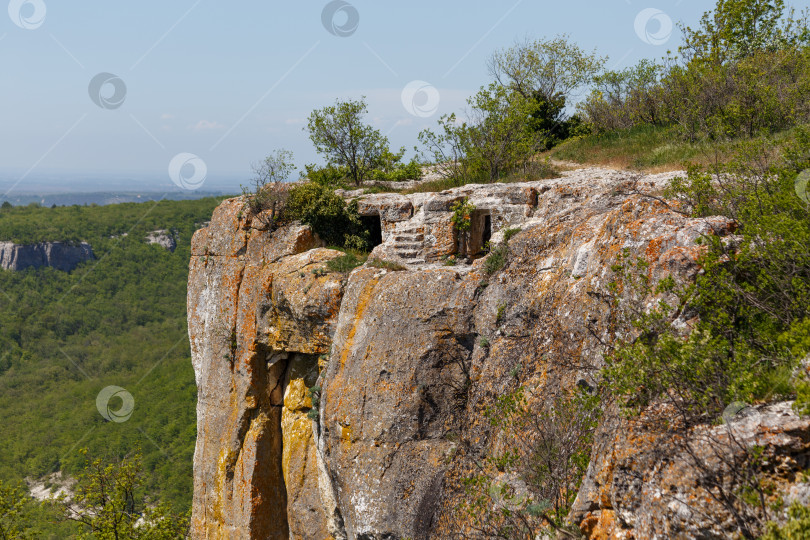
(163, 238)
(59, 255)
(333, 405)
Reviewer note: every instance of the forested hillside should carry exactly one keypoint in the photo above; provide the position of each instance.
(117, 320)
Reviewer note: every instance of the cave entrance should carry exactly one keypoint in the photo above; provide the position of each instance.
(373, 224)
(480, 232)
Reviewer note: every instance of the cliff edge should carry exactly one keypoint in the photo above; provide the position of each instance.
(351, 405)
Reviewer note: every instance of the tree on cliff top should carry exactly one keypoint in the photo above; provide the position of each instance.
(339, 134)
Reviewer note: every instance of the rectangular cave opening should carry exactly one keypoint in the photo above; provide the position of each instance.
(480, 232)
(373, 224)
(487, 233)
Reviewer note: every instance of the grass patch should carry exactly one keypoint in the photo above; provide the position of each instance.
(652, 149)
(385, 265)
(496, 259)
(347, 262)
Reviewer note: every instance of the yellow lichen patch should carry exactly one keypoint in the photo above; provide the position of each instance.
(296, 398)
(297, 431)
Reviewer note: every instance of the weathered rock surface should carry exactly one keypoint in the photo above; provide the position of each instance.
(163, 238)
(410, 359)
(60, 255)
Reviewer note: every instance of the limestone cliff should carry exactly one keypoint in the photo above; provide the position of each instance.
(59, 255)
(333, 405)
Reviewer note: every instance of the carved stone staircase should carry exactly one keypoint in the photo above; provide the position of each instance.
(408, 245)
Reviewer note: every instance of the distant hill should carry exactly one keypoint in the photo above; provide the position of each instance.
(118, 320)
(104, 197)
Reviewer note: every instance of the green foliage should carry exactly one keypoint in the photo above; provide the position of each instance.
(462, 223)
(744, 71)
(329, 175)
(108, 504)
(345, 263)
(496, 259)
(547, 72)
(389, 167)
(738, 29)
(753, 296)
(546, 447)
(117, 320)
(510, 232)
(623, 99)
(499, 136)
(797, 527)
(336, 222)
(483, 342)
(266, 193)
(339, 134)
(12, 508)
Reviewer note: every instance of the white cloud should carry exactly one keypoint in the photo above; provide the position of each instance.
(167, 116)
(207, 125)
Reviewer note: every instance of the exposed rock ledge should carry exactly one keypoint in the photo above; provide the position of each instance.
(59, 255)
(383, 459)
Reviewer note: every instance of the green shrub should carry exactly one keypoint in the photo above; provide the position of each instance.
(496, 259)
(327, 213)
(752, 298)
(345, 263)
(328, 175)
(797, 527)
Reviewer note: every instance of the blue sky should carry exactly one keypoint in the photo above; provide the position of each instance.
(229, 82)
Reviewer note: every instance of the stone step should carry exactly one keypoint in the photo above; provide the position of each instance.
(413, 261)
(408, 245)
(408, 253)
(409, 237)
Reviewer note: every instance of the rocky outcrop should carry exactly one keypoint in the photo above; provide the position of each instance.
(60, 255)
(163, 238)
(350, 406)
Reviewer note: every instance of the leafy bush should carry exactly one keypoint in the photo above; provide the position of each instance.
(752, 298)
(336, 222)
(268, 191)
(797, 527)
(744, 71)
(108, 501)
(496, 259)
(328, 175)
(389, 168)
(530, 484)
